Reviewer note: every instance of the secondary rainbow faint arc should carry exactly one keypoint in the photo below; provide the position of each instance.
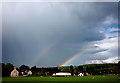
(43, 53)
(74, 56)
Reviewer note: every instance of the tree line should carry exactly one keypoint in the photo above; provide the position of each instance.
(92, 69)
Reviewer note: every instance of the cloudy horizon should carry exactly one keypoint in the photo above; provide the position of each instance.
(49, 34)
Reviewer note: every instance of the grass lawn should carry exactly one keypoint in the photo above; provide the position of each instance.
(112, 78)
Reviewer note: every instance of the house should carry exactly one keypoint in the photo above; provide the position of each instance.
(26, 73)
(14, 73)
(62, 74)
(29, 72)
(81, 74)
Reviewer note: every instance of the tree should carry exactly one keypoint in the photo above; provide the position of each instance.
(71, 69)
(42, 71)
(75, 70)
(24, 68)
(7, 69)
(33, 69)
(80, 68)
(65, 69)
(3, 69)
(84, 68)
(119, 64)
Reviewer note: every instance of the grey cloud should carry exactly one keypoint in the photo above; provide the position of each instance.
(30, 28)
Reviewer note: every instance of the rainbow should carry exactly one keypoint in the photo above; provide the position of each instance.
(43, 53)
(74, 56)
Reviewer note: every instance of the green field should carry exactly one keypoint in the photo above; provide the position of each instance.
(101, 78)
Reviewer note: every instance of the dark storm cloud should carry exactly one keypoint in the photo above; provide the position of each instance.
(30, 28)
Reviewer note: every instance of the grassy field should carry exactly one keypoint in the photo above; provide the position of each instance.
(112, 78)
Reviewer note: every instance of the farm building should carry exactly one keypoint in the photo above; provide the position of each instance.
(26, 73)
(61, 74)
(14, 73)
(81, 74)
(29, 73)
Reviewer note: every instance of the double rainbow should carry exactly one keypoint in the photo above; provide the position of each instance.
(49, 48)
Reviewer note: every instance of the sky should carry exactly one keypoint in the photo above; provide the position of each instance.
(48, 34)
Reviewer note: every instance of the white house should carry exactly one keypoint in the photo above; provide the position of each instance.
(29, 73)
(81, 74)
